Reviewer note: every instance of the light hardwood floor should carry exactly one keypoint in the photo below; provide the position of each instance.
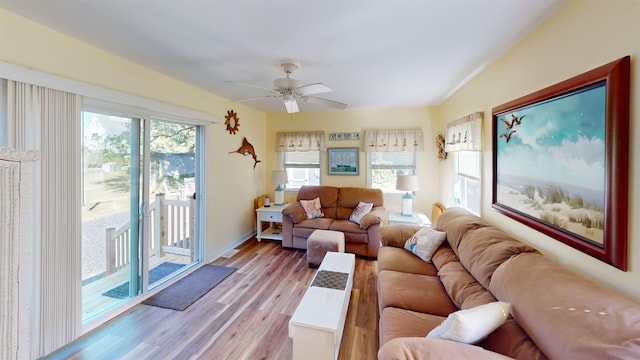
(245, 317)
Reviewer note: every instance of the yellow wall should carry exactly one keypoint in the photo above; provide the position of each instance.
(231, 181)
(358, 121)
(581, 36)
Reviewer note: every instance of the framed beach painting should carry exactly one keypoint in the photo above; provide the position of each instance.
(560, 161)
(344, 161)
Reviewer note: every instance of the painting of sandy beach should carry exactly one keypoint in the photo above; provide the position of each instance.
(550, 162)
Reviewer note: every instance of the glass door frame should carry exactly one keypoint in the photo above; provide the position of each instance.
(139, 178)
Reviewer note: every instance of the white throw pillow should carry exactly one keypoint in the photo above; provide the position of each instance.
(472, 325)
(425, 242)
(360, 211)
(312, 208)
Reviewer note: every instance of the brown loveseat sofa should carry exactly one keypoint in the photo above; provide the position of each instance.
(337, 205)
(555, 314)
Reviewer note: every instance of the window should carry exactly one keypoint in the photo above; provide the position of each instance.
(303, 168)
(466, 180)
(384, 167)
(391, 153)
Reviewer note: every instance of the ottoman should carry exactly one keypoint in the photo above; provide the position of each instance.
(321, 241)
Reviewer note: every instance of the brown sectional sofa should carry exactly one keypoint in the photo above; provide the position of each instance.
(337, 205)
(555, 314)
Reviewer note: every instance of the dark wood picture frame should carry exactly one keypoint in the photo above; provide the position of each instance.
(612, 82)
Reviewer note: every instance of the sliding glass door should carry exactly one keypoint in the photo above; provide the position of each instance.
(139, 216)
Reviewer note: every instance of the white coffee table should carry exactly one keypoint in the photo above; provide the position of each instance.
(318, 322)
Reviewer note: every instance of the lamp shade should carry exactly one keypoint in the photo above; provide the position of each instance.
(407, 182)
(279, 177)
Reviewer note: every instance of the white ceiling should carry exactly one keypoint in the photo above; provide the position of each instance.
(373, 54)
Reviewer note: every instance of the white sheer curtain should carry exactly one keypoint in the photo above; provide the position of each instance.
(300, 141)
(393, 140)
(49, 121)
(465, 134)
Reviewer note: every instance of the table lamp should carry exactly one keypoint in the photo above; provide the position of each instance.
(408, 183)
(279, 177)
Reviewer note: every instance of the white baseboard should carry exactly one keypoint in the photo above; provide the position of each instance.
(232, 245)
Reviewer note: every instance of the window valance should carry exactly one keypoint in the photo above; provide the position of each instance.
(465, 134)
(393, 140)
(300, 141)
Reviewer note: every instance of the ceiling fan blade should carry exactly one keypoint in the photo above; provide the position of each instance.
(291, 105)
(254, 98)
(326, 102)
(311, 89)
(253, 86)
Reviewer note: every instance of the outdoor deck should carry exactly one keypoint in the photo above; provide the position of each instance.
(93, 302)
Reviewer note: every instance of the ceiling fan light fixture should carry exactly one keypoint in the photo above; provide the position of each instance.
(288, 98)
(282, 84)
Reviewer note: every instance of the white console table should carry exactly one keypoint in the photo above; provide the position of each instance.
(318, 322)
(271, 214)
(415, 219)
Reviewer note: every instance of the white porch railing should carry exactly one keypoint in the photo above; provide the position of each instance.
(172, 230)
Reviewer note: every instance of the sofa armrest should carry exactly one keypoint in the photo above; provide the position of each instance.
(417, 348)
(397, 235)
(377, 215)
(295, 212)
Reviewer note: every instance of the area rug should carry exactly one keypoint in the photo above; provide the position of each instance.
(155, 274)
(186, 291)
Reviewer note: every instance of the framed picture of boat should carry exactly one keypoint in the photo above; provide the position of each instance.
(560, 161)
(344, 161)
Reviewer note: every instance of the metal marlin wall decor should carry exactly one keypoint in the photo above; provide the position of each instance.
(247, 149)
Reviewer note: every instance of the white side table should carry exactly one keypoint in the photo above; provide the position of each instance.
(271, 214)
(416, 219)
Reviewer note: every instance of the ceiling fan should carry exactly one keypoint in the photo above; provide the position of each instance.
(291, 91)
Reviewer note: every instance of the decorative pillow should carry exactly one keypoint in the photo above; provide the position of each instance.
(312, 208)
(425, 242)
(360, 211)
(472, 325)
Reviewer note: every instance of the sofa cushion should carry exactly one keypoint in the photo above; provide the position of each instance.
(317, 223)
(510, 340)
(463, 289)
(566, 315)
(413, 292)
(360, 211)
(425, 242)
(346, 226)
(395, 323)
(469, 326)
(396, 235)
(456, 221)
(397, 259)
(349, 197)
(444, 255)
(433, 349)
(483, 249)
(328, 197)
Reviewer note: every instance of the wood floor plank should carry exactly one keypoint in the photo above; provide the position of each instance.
(244, 317)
